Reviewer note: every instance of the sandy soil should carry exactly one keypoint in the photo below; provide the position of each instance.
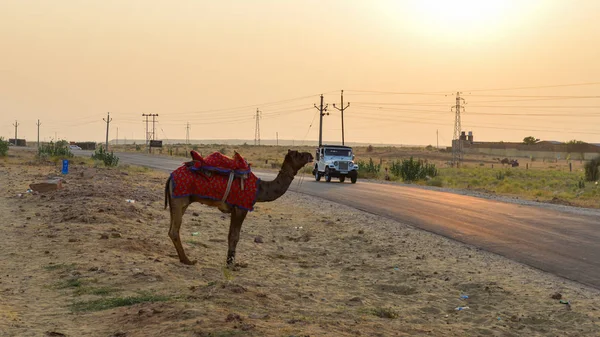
(76, 261)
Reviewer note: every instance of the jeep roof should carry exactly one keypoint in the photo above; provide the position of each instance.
(337, 146)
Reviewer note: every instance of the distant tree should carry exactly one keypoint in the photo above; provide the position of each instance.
(574, 141)
(530, 140)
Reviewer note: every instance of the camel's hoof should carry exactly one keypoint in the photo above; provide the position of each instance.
(189, 263)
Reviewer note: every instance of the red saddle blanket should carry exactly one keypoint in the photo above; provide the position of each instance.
(193, 180)
(220, 163)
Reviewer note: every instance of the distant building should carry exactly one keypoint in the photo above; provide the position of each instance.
(20, 142)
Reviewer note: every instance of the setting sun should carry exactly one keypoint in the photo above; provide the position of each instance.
(472, 17)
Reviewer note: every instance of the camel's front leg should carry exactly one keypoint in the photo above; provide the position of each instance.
(237, 218)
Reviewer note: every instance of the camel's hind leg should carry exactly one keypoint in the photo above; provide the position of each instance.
(178, 207)
(237, 218)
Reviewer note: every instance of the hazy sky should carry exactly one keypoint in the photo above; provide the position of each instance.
(213, 63)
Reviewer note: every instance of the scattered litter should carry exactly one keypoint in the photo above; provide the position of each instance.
(298, 227)
(195, 233)
(396, 268)
(461, 308)
(131, 201)
(29, 190)
(499, 318)
(565, 302)
(464, 297)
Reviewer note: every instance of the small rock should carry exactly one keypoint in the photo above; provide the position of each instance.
(48, 186)
(361, 232)
(116, 235)
(139, 220)
(47, 252)
(258, 239)
(233, 317)
(73, 240)
(378, 255)
(93, 269)
(54, 334)
(247, 326)
(556, 296)
(258, 316)
(37, 214)
(196, 214)
(104, 237)
(28, 218)
(514, 318)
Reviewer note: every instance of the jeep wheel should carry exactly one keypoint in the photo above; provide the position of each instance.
(342, 178)
(327, 176)
(317, 174)
(353, 178)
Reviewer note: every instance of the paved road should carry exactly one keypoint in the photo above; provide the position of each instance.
(563, 243)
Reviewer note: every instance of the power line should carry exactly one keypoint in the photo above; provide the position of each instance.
(538, 87)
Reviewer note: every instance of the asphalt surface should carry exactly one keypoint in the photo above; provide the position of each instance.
(564, 243)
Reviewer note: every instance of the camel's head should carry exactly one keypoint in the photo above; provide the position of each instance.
(297, 160)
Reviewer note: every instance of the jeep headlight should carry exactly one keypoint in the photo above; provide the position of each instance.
(336, 164)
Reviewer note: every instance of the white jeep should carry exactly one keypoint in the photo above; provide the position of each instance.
(335, 161)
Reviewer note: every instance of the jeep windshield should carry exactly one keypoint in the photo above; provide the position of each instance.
(338, 152)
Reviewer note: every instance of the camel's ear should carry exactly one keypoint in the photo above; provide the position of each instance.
(289, 150)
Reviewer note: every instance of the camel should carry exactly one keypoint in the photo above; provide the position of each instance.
(266, 191)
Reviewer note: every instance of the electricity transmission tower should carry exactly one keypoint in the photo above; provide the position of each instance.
(16, 125)
(107, 120)
(322, 112)
(257, 129)
(457, 154)
(342, 111)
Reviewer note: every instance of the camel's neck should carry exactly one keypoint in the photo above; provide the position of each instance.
(271, 190)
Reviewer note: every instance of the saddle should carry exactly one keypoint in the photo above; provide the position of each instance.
(219, 164)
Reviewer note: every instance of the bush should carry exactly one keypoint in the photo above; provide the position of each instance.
(413, 170)
(3, 147)
(109, 159)
(371, 167)
(58, 149)
(592, 171)
(370, 148)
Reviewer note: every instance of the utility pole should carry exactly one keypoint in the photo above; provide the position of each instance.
(154, 126)
(147, 132)
(107, 120)
(342, 110)
(257, 128)
(322, 112)
(145, 115)
(456, 142)
(117, 136)
(437, 138)
(16, 125)
(277, 137)
(38, 125)
(187, 138)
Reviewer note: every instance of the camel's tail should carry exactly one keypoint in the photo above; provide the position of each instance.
(167, 192)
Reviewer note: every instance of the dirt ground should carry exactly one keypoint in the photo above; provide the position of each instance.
(82, 261)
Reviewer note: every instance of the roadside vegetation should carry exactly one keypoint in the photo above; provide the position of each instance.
(3, 147)
(567, 181)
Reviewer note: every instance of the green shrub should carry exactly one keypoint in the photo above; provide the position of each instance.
(3, 147)
(58, 149)
(109, 159)
(592, 171)
(413, 170)
(370, 167)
